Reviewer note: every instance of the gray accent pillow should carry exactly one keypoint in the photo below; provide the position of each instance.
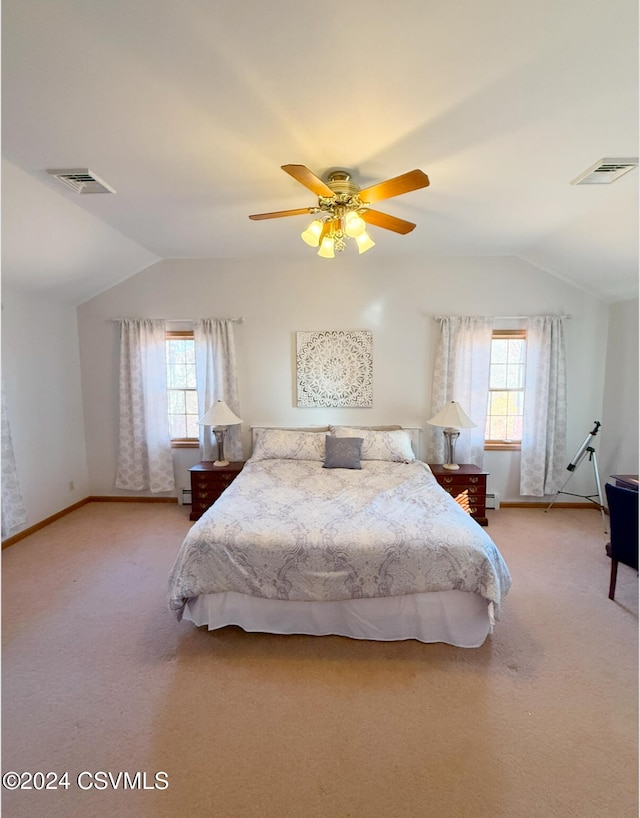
(342, 452)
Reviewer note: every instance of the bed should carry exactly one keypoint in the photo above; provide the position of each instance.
(344, 532)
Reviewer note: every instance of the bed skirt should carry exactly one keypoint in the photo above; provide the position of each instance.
(455, 617)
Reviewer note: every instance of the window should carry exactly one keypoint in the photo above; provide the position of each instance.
(506, 390)
(181, 387)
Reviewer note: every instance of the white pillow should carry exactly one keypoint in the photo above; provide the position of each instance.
(392, 445)
(286, 444)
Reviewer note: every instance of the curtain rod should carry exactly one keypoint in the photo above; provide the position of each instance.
(501, 317)
(239, 320)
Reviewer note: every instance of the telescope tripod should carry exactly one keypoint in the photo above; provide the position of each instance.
(589, 450)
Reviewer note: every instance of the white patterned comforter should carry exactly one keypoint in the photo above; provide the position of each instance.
(292, 530)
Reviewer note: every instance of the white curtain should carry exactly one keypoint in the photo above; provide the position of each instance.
(544, 433)
(461, 373)
(217, 380)
(14, 516)
(144, 456)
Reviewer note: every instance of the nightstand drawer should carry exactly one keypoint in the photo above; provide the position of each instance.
(216, 483)
(462, 479)
(458, 488)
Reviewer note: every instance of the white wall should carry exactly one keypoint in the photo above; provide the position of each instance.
(618, 453)
(41, 377)
(395, 298)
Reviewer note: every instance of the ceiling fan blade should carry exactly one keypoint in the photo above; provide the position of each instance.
(413, 180)
(379, 219)
(308, 179)
(279, 213)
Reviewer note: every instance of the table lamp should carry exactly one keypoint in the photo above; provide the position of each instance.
(453, 418)
(219, 417)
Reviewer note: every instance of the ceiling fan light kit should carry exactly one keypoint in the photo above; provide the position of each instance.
(343, 210)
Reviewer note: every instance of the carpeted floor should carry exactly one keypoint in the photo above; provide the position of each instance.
(98, 678)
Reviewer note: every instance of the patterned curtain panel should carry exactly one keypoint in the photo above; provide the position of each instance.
(217, 380)
(144, 456)
(544, 433)
(14, 516)
(461, 373)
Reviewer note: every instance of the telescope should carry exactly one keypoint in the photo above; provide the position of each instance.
(583, 451)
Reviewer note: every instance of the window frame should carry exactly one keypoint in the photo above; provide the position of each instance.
(502, 445)
(182, 442)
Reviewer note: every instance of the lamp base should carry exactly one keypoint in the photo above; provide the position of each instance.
(450, 437)
(219, 433)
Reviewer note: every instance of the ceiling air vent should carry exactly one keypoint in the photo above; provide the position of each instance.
(605, 171)
(82, 180)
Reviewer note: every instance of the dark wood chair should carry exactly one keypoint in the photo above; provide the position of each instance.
(623, 524)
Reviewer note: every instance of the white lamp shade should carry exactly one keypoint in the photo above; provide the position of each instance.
(452, 416)
(327, 247)
(219, 414)
(354, 225)
(312, 234)
(364, 242)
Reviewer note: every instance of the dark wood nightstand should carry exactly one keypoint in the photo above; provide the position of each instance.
(208, 482)
(468, 477)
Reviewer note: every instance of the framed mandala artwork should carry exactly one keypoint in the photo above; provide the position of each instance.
(334, 368)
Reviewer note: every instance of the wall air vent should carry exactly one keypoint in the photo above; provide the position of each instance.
(82, 180)
(605, 171)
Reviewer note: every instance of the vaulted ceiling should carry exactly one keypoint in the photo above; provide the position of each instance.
(188, 108)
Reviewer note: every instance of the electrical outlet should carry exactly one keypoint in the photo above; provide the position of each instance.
(71, 486)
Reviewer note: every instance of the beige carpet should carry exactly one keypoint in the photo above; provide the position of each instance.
(99, 677)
